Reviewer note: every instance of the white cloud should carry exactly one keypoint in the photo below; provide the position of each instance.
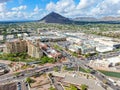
(15, 13)
(85, 4)
(36, 13)
(19, 13)
(2, 7)
(2, 15)
(22, 7)
(37, 9)
(118, 12)
(50, 6)
(107, 7)
(68, 8)
(114, 1)
(62, 6)
(85, 7)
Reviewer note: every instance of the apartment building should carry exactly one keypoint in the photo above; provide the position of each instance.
(34, 49)
(15, 46)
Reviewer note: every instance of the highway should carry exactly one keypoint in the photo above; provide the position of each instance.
(27, 73)
(8, 77)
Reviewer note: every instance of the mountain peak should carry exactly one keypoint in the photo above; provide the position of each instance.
(54, 17)
(53, 13)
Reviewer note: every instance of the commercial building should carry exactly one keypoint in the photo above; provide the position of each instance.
(15, 46)
(51, 38)
(108, 42)
(10, 37)
(50, 52)
(103, 49)
(74, 40)
(83, 49)
(105, 63)
(53, 53)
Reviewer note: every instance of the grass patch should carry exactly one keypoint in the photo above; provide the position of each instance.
(84, 70)
(111, 74)
(70, 69)
(57, 47)
(16, 57)
(24, 57)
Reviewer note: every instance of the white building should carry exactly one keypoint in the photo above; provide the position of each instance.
(10, 37)
(74, 40)
(108, 42)
(102, 49)
(83, 49)
(113, 61)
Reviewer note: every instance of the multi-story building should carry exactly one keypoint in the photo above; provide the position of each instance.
(83, 49)
(18, 46)
(15, 46)
(34, 49)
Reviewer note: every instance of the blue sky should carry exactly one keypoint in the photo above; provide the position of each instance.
(36, 9)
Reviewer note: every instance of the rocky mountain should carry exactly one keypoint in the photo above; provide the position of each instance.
(108, 18)
(85, 19)
(55, 18)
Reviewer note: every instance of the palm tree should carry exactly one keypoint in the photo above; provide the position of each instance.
(50, 75)
(29, 80)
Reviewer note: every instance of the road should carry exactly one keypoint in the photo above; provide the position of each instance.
(21, 85)
(56, 84)
(27, 73)
(9, 77)
(97, 74)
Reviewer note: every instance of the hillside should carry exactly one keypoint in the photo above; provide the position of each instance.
(55, 18)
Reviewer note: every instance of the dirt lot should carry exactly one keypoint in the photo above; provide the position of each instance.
(42, 83)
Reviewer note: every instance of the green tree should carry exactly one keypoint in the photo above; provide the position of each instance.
(83, 87)
(46, 59)
(64, 68)
(29, 80)
(72, 87)
(50, 75)
(51, 88)
(17, 73)
(56, 69)
(87, 76)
